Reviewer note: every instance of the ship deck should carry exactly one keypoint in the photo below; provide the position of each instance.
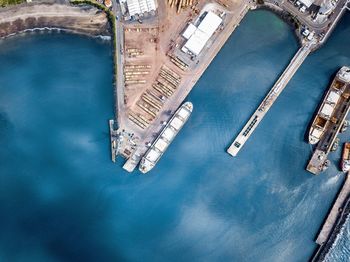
(325, 144)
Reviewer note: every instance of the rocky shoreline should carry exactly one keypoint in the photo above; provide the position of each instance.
(86, 20)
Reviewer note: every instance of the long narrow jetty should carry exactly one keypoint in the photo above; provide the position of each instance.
(334, 213)
(271, 97)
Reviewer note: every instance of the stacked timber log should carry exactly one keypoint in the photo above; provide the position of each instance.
(180, 4)
(152, 100)
(135, 74)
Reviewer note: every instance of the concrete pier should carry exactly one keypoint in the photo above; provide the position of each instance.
(271, 97)
(334, 214)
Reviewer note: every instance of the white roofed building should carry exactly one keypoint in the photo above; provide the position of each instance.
(190, 30)
(139, 7)
(307, 3)
(197, 37)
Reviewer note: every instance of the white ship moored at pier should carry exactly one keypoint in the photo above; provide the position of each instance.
(324, 115)
(160, 145)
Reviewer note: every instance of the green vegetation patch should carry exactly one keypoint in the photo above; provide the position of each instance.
(4, 3)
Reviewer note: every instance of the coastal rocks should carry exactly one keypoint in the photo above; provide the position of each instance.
(82, 20)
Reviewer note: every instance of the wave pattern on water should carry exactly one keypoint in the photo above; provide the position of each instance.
(54, 30)
(340, 250)
(61, 198)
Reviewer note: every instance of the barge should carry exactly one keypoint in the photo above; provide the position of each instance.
(167, 135)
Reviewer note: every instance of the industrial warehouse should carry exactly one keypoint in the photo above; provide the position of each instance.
(197, 37)
(137, 8)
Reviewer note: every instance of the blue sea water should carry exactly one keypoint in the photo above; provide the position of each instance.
(341, 247)
(61, 198)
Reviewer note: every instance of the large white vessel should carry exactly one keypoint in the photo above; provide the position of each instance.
(172, 128)
(329, 103)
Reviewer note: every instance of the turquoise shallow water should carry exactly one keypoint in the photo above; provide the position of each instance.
(61, 198)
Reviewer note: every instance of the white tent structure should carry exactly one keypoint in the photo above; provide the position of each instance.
(197, 37)
(307, 3)
(139, 7)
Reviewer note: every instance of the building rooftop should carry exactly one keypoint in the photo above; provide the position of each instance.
(197, 37)
(137, 7)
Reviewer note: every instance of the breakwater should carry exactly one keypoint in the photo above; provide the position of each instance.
(324, 249)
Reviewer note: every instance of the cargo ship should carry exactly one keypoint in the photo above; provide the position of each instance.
(324, 115)
(160, 145)
(345, 161)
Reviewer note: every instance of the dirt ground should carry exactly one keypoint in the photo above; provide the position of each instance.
(18, 18)
(157, 42)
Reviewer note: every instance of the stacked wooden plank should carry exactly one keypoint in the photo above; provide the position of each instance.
(153, 99)
(180, 4)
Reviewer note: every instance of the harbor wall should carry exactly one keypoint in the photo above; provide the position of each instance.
(321, 253)
(334, 213)
(334, 222)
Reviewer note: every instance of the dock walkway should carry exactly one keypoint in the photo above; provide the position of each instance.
(271, 97)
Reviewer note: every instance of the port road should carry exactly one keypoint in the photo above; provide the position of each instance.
(120, 111)
(271, 97)
(119, 78)
(339, 11)
(321, 28)
(305, 18)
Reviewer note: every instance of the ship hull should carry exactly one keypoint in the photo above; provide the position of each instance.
(165, 138)
(324, 114)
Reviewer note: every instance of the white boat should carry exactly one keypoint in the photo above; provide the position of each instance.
(329, 103)
(160, 145)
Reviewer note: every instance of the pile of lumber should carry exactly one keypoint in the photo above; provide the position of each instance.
(179, 4)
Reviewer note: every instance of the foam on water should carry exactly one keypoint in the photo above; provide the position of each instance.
(340, 250)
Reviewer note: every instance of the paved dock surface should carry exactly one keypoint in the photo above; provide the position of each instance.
(271, 97)
(140, 122)
(234, 15)
(334, 213)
